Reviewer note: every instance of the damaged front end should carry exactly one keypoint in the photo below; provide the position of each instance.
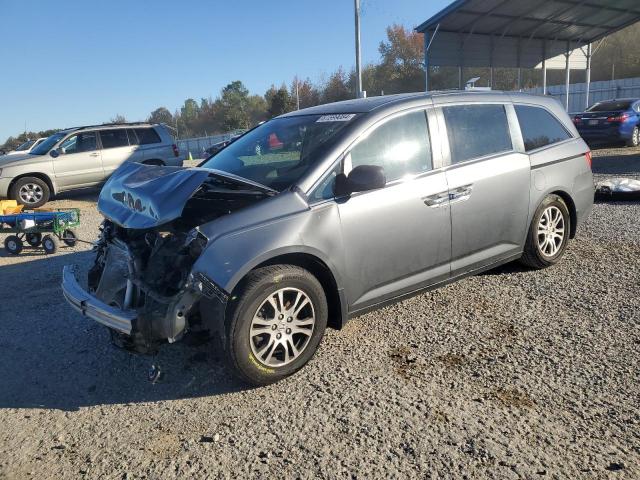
(141, 284)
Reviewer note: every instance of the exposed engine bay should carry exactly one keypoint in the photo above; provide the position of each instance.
(148, 270)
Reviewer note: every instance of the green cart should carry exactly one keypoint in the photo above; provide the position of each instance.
(44, 229)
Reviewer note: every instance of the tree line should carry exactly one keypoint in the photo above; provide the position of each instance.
(399, 69)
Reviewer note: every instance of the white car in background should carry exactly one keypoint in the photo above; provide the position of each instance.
(27, 146)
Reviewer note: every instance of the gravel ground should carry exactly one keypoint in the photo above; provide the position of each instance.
(510, 374)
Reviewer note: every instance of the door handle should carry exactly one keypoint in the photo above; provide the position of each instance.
(437, 200)
(94, 154)
(461, 194)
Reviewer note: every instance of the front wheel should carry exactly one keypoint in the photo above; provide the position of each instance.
(276, 324)
(13, 244)
(32, 192)
(548, 234)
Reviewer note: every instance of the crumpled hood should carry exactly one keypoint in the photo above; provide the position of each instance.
(145, 196)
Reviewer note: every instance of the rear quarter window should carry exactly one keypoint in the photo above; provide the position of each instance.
(147, 136)
(475, 131)
(539, 128)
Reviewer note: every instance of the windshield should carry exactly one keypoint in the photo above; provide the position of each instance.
(25, 146)
(611, 106)
(278, 153)
(45, 146)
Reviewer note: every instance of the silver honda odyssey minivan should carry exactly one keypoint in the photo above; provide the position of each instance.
(321, 214)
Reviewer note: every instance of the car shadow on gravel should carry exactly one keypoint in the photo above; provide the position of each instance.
(52, 357)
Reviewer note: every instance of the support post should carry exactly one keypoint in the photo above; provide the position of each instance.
(491, 55)
(427, 43)
(519, 64)
(459, 77)
(358, 55)
(544, 67)
(588, 80)
(568, 76)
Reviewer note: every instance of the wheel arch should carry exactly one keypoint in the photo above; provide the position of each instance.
(336, 302)
(42, 176)
(573, 214)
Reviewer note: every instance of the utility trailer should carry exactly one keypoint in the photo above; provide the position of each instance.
(40, 228)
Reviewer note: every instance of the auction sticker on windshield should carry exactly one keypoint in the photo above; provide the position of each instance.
(342, 117)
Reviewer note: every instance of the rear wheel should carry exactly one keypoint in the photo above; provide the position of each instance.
(50, 244)
(13, 244)
(32, 192)
(34, 239)
(276, 324)
(69, 237)
(548, 234)
(634, 141)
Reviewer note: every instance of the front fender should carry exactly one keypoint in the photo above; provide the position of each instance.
(228, 258)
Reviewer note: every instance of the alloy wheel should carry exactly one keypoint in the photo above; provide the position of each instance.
(551, 231)
(30, 193)
(282, 327)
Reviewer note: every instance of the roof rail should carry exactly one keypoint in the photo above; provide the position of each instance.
(108, 124)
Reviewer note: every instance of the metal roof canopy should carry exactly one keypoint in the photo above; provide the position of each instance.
(521, 33)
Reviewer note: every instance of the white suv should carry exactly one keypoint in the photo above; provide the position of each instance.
(83, 157)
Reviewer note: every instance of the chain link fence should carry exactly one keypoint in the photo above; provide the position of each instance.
(197, 146)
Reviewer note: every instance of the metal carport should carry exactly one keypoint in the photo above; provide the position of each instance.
(521, 33)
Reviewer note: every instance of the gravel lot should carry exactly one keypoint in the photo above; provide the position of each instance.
(510, 374)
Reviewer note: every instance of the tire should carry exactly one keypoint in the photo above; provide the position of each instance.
(13, 244)
(69, 237)
(548, 235)
(32, 192)
(34, 239)
(634, 141)
(270, 355)
(50, 244)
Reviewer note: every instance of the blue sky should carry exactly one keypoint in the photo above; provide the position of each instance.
(65, 63)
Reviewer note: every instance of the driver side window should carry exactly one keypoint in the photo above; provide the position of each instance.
(401, 146)
(81, 142)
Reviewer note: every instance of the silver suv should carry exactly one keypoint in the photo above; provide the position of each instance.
(82, 157)
(321, 214)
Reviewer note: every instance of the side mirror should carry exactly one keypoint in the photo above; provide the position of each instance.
(54, 153)
(361, 179)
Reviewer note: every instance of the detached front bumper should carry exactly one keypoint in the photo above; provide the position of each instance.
(91, 307)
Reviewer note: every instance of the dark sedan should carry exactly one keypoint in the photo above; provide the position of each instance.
(216, 147)
(611, 121)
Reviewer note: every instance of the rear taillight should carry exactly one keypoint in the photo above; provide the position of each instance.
(176, 152)
(577, 120)
(588, 157)
(618, 118)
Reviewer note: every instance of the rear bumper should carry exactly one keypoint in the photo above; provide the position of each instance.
(603, 135)
(89, 306)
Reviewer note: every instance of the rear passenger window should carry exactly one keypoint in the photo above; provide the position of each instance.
(401, 146)
(147, 136)
(539, 127)
(477, 130)
(114, 138)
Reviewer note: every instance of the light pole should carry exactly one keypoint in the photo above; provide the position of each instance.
(358, 64)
